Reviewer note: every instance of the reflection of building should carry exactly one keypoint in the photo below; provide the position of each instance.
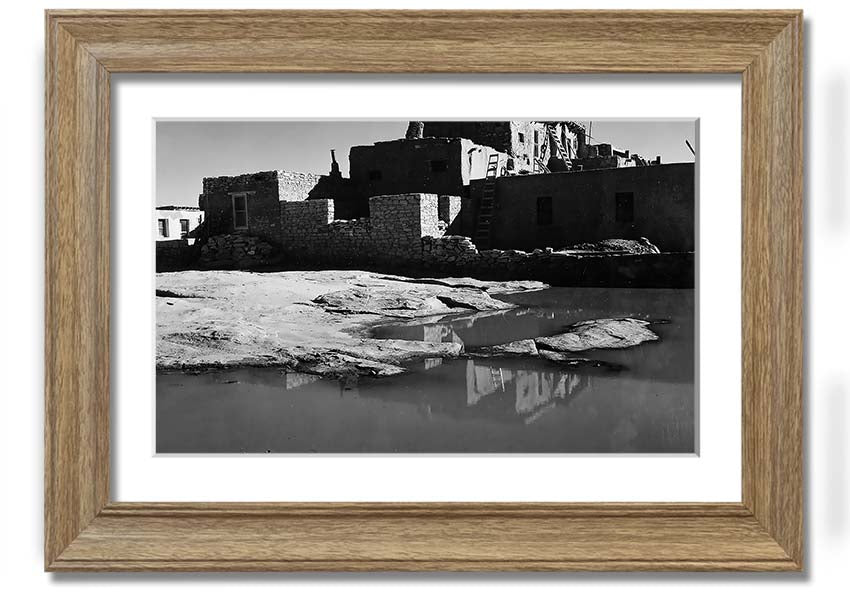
(177, 222)
(524, 391)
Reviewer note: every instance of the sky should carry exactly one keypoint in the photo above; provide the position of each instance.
(188, 151)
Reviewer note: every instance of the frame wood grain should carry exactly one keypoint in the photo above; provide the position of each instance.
(85, 530)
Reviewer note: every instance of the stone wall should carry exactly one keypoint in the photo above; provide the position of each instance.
(406, 232)
(294, 187)
(236, 250)
(266, 191)
(398, 224)
(176, 255)
(458, 256)
(390, 236)
(310, 233)
(448, 211)
(263, 204)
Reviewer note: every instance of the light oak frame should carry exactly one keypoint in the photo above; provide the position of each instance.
(86, 531)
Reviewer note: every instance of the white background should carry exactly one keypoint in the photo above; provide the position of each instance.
(827, 424)
(713, 476)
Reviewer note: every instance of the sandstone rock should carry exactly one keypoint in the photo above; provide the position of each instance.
(378, 301)
(471, 299)
(511, 349)
(599, 333)
(214, 319)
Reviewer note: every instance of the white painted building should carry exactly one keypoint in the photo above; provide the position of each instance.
(177, 222)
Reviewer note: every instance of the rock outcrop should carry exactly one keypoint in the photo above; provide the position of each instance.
(313, 322)
(579, 337)
(599, 333)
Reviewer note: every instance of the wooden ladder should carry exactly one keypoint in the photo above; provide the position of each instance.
(498, 378)
(560, 146)
(485, 211)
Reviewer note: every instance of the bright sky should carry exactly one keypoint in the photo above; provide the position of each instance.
(188, 151)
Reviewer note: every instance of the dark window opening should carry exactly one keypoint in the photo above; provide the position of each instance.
(521, 138)
(544, 210)
(162, 224)
(625, 207)
(184, 228)
(375, 176)
(240, 211)
(439, 166)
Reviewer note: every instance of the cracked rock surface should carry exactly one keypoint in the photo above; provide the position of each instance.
(579, 337)
(599, 333)
(306, 321)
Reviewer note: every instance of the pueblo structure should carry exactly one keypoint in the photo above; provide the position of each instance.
(496, 200)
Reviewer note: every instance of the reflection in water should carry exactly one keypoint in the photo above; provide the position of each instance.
(531, 391)
(480, 405)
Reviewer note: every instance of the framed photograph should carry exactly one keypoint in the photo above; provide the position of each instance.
(410, 301)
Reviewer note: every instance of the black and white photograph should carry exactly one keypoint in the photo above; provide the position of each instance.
(421, 286)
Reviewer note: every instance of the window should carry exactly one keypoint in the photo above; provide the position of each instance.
(374, 175)
(544, 210)
(439, 166)
(240, 211)
(536, 144)
(625, 207)
(184, 228)
(521, 138)
(162, 224)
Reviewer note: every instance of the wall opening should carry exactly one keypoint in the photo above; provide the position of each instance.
(240, 211)
(162, 225)
(439, 166)
(544, 210)
(624, 207)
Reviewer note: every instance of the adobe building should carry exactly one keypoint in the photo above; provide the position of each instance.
(532, 144)
(432, 165)
(539, 146)
(461, 195)
(178, 222)
(569, 208)
(251, 203)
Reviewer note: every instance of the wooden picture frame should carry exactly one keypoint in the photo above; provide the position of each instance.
(86, 531)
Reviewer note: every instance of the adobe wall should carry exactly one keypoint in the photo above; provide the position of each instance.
(176, 255)
(407, 166)
(173, 216)
(511, 137)
(404, 167)
(584, 208)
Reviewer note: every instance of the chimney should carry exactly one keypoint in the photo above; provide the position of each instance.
(335, 172)
(415, 130)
